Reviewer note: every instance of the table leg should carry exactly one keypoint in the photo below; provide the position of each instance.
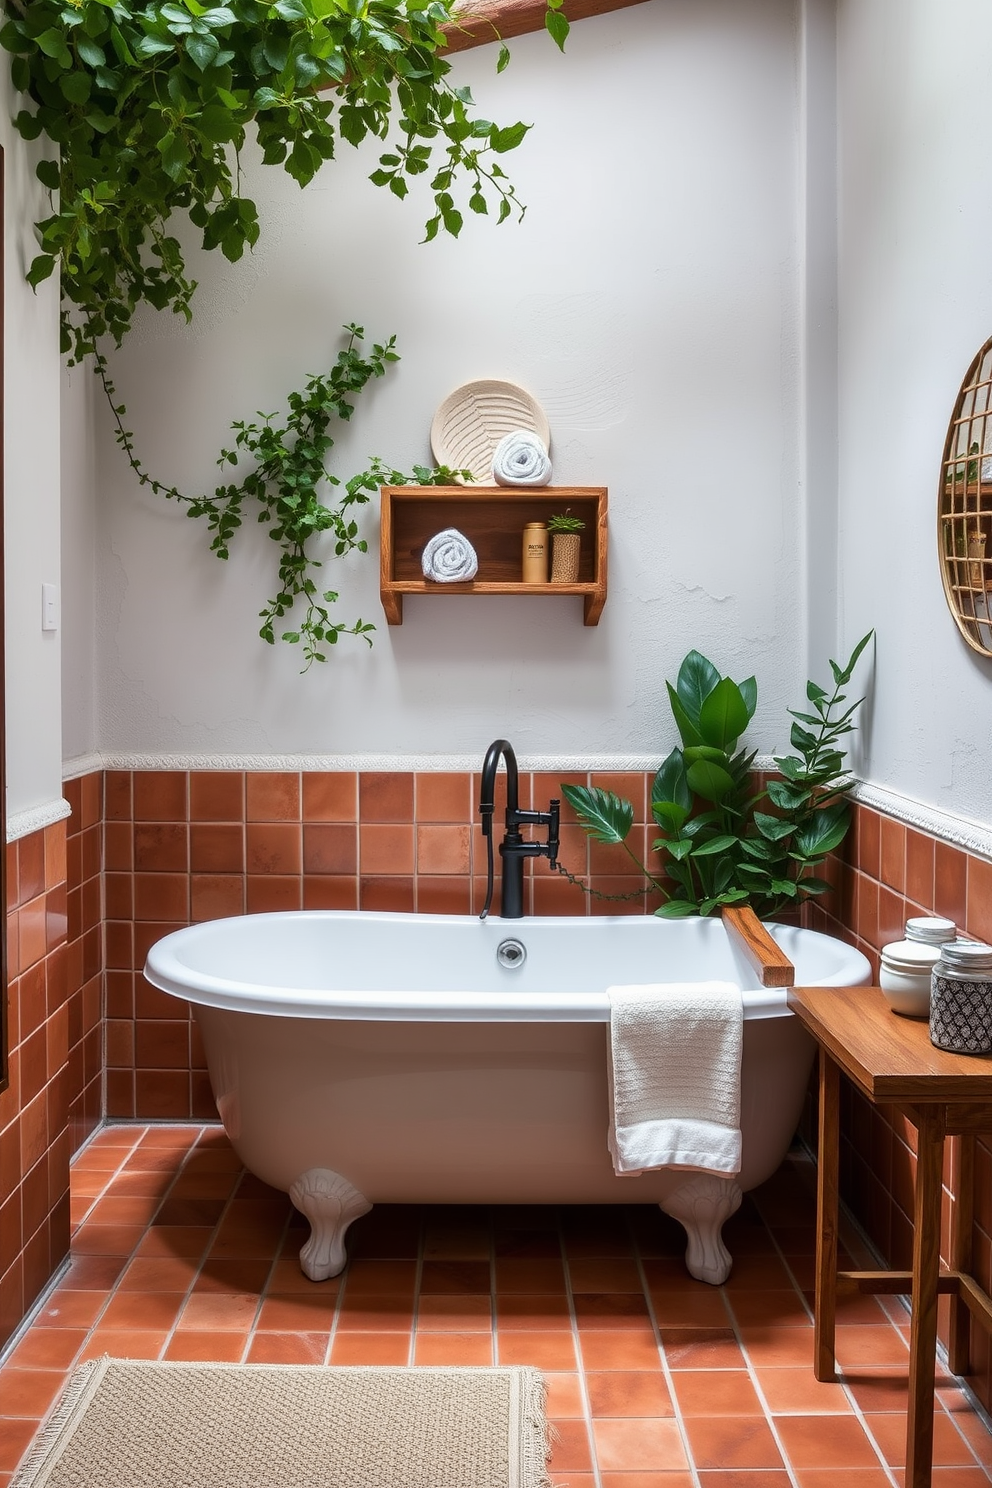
(962, 1215)
(926, 1265)
(825, 1311)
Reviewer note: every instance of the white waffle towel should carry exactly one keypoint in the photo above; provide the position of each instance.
(449, 558)
(675, 1077)
(520, 459)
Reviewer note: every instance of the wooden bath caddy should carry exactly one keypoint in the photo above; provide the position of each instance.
(493, 519)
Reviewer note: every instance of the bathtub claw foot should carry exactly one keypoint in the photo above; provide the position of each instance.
(330, 1203)
(702, 1205)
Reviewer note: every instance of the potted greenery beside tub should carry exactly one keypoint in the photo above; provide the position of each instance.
(722, 840)
(566, 545)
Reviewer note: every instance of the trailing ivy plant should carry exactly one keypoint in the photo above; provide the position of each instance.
(288, 487)
(150, 106)
(722, 843)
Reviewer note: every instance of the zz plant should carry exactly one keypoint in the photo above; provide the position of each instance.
(722, 842)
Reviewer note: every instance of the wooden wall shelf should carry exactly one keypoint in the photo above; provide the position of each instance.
(493, 519)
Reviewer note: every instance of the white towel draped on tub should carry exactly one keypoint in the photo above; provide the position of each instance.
(675, 1077)
(449, 558)
(520, 459)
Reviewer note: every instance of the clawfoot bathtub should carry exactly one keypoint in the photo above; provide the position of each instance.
(360, 1058)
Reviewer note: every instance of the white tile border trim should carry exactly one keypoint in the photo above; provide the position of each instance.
(972, 836)
(23, 823)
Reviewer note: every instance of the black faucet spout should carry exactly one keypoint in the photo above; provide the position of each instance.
(513, 849)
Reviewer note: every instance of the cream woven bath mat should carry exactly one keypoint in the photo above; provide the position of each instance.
(126, 1424)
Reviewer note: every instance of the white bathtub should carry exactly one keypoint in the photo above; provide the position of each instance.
(360, 1058)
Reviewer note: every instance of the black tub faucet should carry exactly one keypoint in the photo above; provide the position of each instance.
(513, 849)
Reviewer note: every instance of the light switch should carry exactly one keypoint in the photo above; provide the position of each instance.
(49, 606)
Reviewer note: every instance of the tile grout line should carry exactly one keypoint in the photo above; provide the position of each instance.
(418, 1277)
(580, 1359)
(264, 1288)
(665, 1367)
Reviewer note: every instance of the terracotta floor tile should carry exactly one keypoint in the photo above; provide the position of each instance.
(15, 1438)
(175, 1240)
(91, 1273)
(465, 1314)
(158, 1274)
(603, 1275)
(684, 1309)
(763, 1271)
(376, 1314)
(701, 1348)
(570, 1447)
(207, 1347)
(954, 1477)
(622, 1349)
(30, 1392)
(565, 1394)
(245, 1274)
(640, 1445)
(219, 1310)
(648, 1480)
(743, 1477)
(782, 1309)
(66, 1309)
(949, 1447)
(531, 1310)
(721, 1392)
(48, 1348)
(823, 1477)
(629, 1393)
(611, 1310)
(453, 1348)
(371, 1348)
(125, 1209)
(778, 1347)
(521, 1274)
(825, 1441)
(289, 1348)
(798, 1392)
(457, 1243)
(858, 1345)
(287, 1276)
(542, 1350)
(732, 1441)
(106, 1239)
(130, 1343)
(157, 1310)
(462, 1277)
(310, 1314)
(374, 1275)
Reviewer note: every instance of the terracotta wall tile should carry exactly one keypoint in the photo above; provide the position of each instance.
(920, 868)
(273, 796)
(978, 920)
(386, 849)
(217, 848)
(385, 797)
(330, 796)
(217, 796)
(160, 795)
(330, 848)
(444, 797)
(950, 882)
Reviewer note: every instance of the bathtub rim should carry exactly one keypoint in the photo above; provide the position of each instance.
(168, 973)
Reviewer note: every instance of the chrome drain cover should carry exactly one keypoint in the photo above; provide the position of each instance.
(511, 953)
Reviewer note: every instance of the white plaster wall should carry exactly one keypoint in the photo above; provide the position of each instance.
(915, 305)
(80, 736)
(31, 485)
(651, 302)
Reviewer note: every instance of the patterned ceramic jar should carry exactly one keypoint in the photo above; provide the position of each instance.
(961, 998)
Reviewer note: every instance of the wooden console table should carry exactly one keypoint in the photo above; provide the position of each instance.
(891, 1060)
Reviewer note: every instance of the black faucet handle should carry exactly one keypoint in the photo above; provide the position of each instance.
(554, 811)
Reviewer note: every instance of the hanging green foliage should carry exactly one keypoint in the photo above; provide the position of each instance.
(292, 492)
(151, 105)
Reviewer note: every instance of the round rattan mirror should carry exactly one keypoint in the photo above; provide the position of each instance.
(964, 507)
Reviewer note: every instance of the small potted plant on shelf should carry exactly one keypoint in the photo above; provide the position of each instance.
(565, 546)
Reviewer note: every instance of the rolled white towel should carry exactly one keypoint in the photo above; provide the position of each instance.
(449, 558)
(520, 459)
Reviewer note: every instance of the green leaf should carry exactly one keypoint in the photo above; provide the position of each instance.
(696, 680)
(48, 173)
(668, 813)
(41, 268)
(503, 58)
(677, 909)
(709, 780)
(504, 140)
(773, 828)
(688, 730)
(824, 833)
(715, 845)
(605, 816)
(557, 27)
(786, 797)
(749, 692)
(723, 715)
(670, 784)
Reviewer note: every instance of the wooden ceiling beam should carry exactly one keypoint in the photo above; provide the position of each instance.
(482, 21)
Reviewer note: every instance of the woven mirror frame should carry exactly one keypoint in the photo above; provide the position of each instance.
(964, 507)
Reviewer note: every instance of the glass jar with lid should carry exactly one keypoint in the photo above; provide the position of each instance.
(904, 974)
(961, 998)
